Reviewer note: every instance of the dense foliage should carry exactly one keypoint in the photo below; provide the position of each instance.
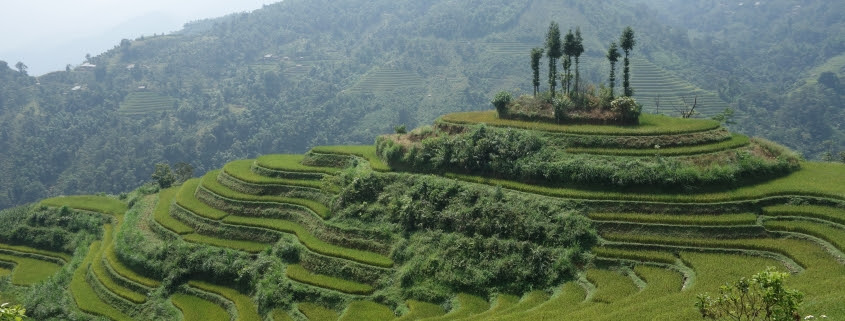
(524, 155)
(469, 238)
(58, 229)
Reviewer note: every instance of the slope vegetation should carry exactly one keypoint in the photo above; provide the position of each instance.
(373, 233)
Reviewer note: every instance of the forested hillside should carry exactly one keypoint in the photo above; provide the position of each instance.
(298, 74)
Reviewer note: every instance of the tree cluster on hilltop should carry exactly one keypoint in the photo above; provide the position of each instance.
(576, 102)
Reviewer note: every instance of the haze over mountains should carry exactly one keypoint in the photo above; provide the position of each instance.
(302, 73)
(49, 35)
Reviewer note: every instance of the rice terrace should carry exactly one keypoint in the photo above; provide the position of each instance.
(236, 242)
(574, 203)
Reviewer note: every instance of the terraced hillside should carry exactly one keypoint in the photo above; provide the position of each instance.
(651, 83)
(381, 80)
(145, 102)
(352, 233)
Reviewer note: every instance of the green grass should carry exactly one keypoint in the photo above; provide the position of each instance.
(503, 302)
(85, 297)
(465, 305)
(420, 310)
(802, 252)
(529, 301)
(162, 212)
(367, 311)
(280, 315)
(825, 232)
(813, 179)
(836, 215)
(126, 272)
(568, 298)
(102, 275)
(100, 204)
(209, 182)
(291, 163)
(610, 285)
(736, 141)
(29, 271)
(678, 219)
(659, 280)
(25, 249)
(368, 152)
(298, 273)
(247, 310)
(649, 124)
(312, 242)
(242, 170)
(198, 309)
(246, 246)
(186, 199)
(316, 313)
(5, 271)
(636, 255)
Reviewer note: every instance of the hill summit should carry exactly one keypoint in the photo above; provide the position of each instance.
(474, 218)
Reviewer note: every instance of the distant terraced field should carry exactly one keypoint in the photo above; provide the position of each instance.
(650, 82)
(145, 102)
(384, 80)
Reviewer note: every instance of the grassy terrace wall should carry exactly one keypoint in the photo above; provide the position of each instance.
(650, 125)
(813, 179)
(27, 270)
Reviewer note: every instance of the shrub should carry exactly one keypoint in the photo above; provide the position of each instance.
(163, 175)
(563, 105)
(762, 297)
(400, 129)
(628, 108)
(501, 102)
(527, 156)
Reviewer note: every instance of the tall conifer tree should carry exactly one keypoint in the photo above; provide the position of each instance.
(577, 50)
(536, 55)
(553, 51)
(613, 57)
(568, 50)
(627, 42)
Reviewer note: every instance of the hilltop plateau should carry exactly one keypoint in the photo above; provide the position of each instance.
(474, 218)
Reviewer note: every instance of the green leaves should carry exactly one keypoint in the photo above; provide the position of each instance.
(11, 312)
(762, 297)
(501, 102)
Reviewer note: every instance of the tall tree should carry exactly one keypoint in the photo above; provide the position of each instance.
(568, 50)
(577, 50)
(21, 67)
(627, 42)
(613, 56)
(553, 51)
(536, 55)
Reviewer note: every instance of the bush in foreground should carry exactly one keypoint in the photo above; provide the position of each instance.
(762, 297)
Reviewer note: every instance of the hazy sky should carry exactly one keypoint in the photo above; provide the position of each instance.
(31, 29)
